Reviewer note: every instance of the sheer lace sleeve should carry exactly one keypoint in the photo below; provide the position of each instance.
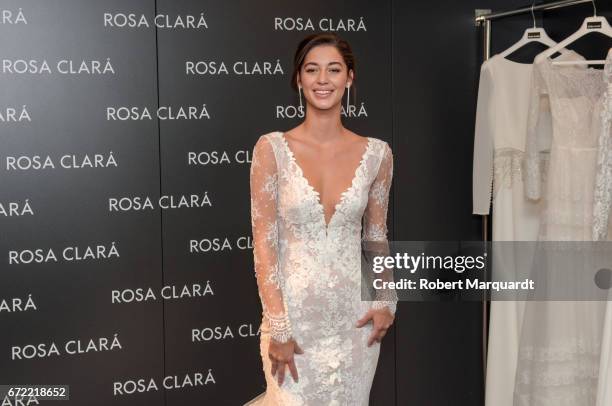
(482, 175)
(603, 181)
(536, 140)
(375, 226)
(263, 185)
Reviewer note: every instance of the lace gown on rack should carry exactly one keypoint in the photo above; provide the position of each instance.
(559, 353)
(499, 144)
(309, 273)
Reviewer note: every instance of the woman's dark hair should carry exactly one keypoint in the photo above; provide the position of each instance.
(314, 40)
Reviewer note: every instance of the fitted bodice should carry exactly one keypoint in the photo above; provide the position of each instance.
(300, 209)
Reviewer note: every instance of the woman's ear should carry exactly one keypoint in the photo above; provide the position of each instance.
(351, 77)
(298, 81)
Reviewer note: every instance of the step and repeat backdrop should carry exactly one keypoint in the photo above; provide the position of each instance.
(126, 135)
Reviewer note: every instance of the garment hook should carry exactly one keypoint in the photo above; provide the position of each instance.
(594, 8)
(533, 14)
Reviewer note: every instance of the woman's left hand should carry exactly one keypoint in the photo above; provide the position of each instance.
(382, 319)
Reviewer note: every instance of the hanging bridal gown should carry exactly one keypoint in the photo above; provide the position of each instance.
(560, 347)
(498, 178)
(309, 273)
(501, 124)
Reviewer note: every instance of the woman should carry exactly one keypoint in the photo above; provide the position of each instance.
(311, 187)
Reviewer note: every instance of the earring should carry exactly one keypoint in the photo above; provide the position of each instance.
(300, 92)
(348, 94)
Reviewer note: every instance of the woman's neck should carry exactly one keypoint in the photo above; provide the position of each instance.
(323, 125)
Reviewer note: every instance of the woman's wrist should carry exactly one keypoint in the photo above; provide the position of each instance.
(381, 304)
(280, 328)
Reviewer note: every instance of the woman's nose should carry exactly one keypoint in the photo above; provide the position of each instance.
(322, 78)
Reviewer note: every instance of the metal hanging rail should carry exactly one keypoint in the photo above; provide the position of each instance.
(480, 18)
(483, 19)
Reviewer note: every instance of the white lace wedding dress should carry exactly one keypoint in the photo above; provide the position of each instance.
(560, 348)
(309, 273)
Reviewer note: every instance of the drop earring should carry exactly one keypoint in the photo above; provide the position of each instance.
(300, 92)
(348, 95)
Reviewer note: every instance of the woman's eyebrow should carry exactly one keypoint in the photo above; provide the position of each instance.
(316, 64)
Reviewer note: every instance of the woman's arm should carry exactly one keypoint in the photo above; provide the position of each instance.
(264, 186)
(264, 193)
(375, 226)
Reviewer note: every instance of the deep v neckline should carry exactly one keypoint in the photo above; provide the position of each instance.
(315, 193)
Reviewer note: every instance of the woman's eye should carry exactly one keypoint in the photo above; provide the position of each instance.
(335, 70)
(310, 70)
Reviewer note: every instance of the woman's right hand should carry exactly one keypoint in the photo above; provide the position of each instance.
(281, 354)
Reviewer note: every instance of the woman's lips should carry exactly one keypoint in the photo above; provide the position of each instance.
(323, 94)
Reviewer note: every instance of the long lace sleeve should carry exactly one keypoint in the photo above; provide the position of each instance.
(603, 182)
(375, 226)
(263, 185)
(482, 175)
(536, 139)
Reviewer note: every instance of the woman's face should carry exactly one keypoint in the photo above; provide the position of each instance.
(324, 77)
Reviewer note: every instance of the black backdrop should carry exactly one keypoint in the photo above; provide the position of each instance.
(171, 290)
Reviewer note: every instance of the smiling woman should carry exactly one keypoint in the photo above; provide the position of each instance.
(339, 59)
(318, 191)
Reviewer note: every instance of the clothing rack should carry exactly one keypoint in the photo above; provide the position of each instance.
(483, 19)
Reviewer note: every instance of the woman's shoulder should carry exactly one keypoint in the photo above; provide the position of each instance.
(269, 135)
(268, 140)
(378, 143)
(381, 142)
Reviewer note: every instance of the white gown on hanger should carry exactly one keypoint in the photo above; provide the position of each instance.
(499, 153)
(309, 273)
(560, 347)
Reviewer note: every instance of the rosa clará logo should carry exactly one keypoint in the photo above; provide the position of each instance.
(16, 209)
(133, 20)
(169, 382)
(165, 202)
(217, 244)
(17, 304)
(322, 24)
(168, 292)
(66, 161)
(67, 254)
(63, 66)
(10, 17)
(15, 115)
(240, 68)
(70, 347)
(215, 158)
(136, 113)
(219, 333)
